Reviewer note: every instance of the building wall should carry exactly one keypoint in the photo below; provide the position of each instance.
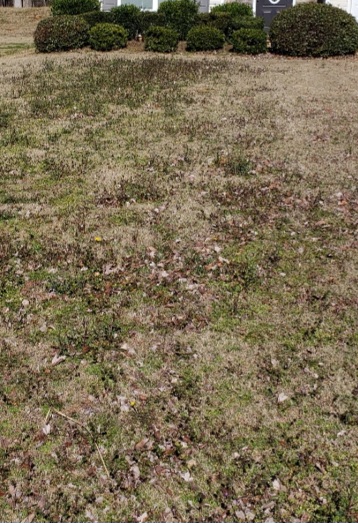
(152, 5)
(342, 4)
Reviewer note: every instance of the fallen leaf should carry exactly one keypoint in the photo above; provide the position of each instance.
(29, 518)
(276, 484)
(186, 476)
(57, 359)
(191, 463)
(282, 397)
(135, 471)
(46, 429)
(141, 444)
(168, 515)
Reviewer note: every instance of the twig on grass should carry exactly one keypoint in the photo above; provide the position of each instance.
(68, 418)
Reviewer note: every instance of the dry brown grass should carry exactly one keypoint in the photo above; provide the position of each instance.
(21, 23)
(181, 233)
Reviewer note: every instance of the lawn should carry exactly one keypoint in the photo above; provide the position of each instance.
(178, 288)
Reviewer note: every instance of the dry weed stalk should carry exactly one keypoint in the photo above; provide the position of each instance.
(68, 418)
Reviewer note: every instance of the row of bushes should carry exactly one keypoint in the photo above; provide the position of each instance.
(179, 15)
(65, 32)
(304, 30)
(175, 20)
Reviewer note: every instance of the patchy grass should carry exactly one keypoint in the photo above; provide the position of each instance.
(19, 23)
(177, 254)
(11, 49)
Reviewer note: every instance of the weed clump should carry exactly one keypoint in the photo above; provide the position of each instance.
(161, 39)
(61, 33)
(314, 30)
(235, 164)
(106, 37)
(205, 38)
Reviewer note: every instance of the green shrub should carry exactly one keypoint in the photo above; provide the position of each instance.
(180, 15)
(96, 17)
(204, 18)
(61, 33)
(221, 21)
(74, 7)
(228, 22)
(150, 19)
(249, 41)
(248, 22)
(234, 9)
(243, 22)
(314, 30)
(205, 38)
(105, 37)
(129, 17)
(161, 39)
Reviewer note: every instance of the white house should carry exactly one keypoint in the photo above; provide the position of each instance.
(269, 8)
(266, 8)
(152, 5)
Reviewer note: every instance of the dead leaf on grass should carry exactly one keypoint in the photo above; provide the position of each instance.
(186, 476)
(46, 429)
(57, 359)
(282, 397)
(135, 471)
(29, 518)
(142, 518)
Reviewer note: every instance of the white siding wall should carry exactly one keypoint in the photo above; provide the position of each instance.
(348, 5)
(342, 4)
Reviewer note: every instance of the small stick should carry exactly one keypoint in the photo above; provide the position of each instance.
(59, 413)
(48, 415)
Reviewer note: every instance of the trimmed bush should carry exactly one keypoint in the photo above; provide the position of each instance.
(314, 30)
(234, 9)
(129, 17)
(244, 22)
(105, 37)
(248, 22)
(74, 7)
(204, 18)
(227, 22)
(150, 19)
(61, 33)
(249, 41)
(180, 15)
(222, 21)
(96, 17)
(205, 38)
(161, 39)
